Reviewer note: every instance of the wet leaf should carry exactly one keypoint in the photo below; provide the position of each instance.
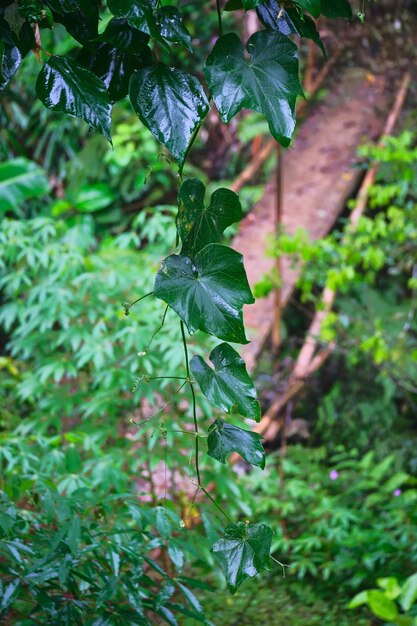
(121, 35)
(113, 66)
(224, 438)
(244, 552)
(171, 27)
(171, 103)
(199, 225)
(289, 22)
(312, 6)
(207, 292)
(139, 13)
(80, 17)
(267, 83)
(67, 86)
(228, 386)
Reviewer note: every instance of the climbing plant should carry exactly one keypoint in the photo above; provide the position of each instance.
(124, 48)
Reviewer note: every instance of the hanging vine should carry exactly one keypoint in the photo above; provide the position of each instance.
(204, 282)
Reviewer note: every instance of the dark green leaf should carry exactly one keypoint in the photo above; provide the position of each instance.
(336, 8)
(224, 438)
(312, 6)
(20, 180)
(207, 292)
(166, 592)
(268, 83)
(171, 103)
(139, 13)
(162, 522)
(289, 22)
(244, 552)
(199, 225)
(67, 86)
(171, 28)
(113, 66)
(80, 17)
(11, 59)
(122, 36)
(228, 386)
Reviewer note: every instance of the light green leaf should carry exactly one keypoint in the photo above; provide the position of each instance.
(64, 85)
(244, 552)
(224, 438)
(390, 586)
(207, 292)
(199, 225)
(409, 593)
(267, 83)
(228, 386)
(20, 180)
(381, 606)
(171, 103)
(358, 600)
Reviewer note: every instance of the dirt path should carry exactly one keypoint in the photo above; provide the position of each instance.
(319, 176)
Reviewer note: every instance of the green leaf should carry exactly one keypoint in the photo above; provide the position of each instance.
(171, 28)
(228, 386)
(113, 66)
(194, 603)
(162, 523)
(336, 8)
(11, 58)
(93, 198)
(199, 225)
(122, 36)
(381, 606)
(267, 83)
(67, 86)
(171, 103)
(358, 600)
(73, 536)
(409, 593)
(139, 13)
(289, 22)
(390, 586)
(244, 552)
(224, 438)
(20, 180)
(80, 17)
(312, 6)
(207, 292)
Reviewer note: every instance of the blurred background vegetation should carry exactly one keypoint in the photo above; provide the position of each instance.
(94, 481)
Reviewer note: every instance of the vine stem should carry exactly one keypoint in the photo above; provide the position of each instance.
(200, 485)
(219, 17)
(127, 306)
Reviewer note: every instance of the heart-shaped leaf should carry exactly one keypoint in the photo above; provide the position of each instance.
(124, 37)
(224, 438)
(113, 66)
(312, 6)
(243, 552)
(268, 83)
(199, 225)
(207, 292)
(138, 13)
(67, 86)
(171, 28)
(80, 17)
(336, 8)
(171, 103)
(228, 386)
(289, 22)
